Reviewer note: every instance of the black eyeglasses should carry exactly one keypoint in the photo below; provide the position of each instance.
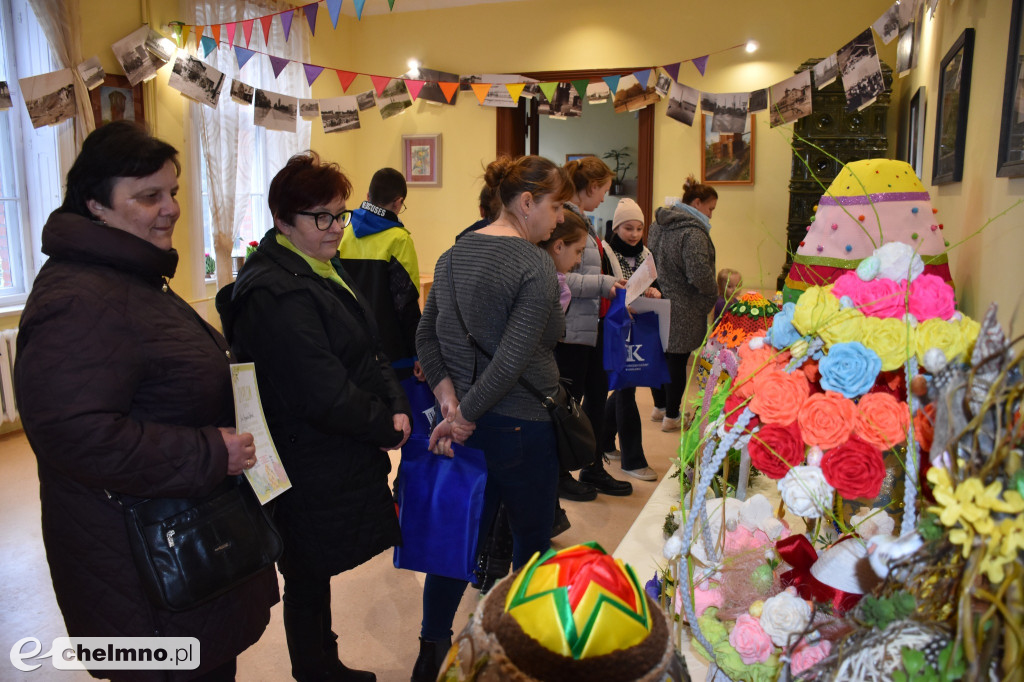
(404, 206)
(324, 219)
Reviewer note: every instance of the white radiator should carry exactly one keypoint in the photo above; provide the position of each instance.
(8, 408)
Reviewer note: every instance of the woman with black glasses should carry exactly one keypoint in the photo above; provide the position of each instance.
(331, 399)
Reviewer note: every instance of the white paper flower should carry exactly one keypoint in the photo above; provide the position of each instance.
(785, 615)
(897, 261)
(756, 510)
(673, 547)
(870, 522)
(806, 492)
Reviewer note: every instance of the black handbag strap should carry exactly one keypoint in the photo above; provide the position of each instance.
(547, 401)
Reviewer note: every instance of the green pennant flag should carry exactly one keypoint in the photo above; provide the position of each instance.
(549, 90)
(391, 5)
(581, 87)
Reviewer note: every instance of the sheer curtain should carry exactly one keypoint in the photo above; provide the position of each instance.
(229, 138)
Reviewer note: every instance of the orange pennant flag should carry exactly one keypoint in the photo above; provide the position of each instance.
(346, 78)
(199, 35)
(414, 88)
(247, 29)
(216, 33)
(515, 89)
(379, 83)
(481, 90)
(449, 89)
(266, 22)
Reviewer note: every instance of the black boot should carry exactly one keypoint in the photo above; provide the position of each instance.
(428, 663)
(339, 671)
(303, 632)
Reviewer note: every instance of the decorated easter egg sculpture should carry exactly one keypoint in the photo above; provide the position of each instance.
(870, 203)
(574, 614)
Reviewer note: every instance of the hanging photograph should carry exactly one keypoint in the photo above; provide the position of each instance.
(826, 71)
(196, 80)
(339, 114)
(139, 64)
(431, 90)
(861, 71)
(728, 158)
(758, 101)
(951, 110)
(661, 85)
(905, 51)
(5, 96)
(1010, 162)
(91, 72)
(730, 112)
(682, 103)
(49, 98)
(632, 96)
(366, 100)
(241, 92)
(496, 97)
(421, 157)
(565, 103)
(394, 99)
(309, 108)
(887, 26)
(274, 111)
(598, 93)
(117, 100)
(790, 99)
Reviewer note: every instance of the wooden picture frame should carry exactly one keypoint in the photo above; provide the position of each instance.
(576, 157)
(915, 131)
(116, 99)
(421, 159)
(951, 110)
(724, 162)
(1010, 157)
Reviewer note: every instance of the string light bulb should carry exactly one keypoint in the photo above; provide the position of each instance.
(414, 66)
(752, 46)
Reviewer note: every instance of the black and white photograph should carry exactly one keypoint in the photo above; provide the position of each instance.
(663, 83)
(196, 80)
(339, 114)
(758, 100)
(565, 103)
(275, 111)
(682, 103)
(394, 99)
(631, 96)
(826, 71)
(139, 64)
(730, 112)
(91, 72)
(707, 103)
(162, 48)
(50, 98)
(366, 100)
(861, 71)
(791, 99)
(241, 92)
(496, 97)
(5, 96)
(531, 89)
(887, 26)
(598, 93)
(309, 108)
(431, 91)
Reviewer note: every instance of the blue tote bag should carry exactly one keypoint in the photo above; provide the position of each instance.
(421, 400)
(440, 500)
(633, 354)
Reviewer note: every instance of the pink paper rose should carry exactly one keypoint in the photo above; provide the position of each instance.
(876, 298)
(750, 641)
(807, 656)
(931, 297)
(704, 595)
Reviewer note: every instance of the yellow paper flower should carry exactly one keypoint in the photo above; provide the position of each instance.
(846, 325)
(892, 339)
(936, 333)
(969, 330)
(814, 309)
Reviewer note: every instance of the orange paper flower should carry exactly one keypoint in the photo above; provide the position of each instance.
(882, 420)
(826, 419)
(924, 426)
(778, 396)
(752, 363)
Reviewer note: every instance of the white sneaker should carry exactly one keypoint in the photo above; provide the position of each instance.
(614, 455)
(672, 424)
(657, 414)
(643, 473)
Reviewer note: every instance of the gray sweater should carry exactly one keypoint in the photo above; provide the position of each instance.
(508, 295)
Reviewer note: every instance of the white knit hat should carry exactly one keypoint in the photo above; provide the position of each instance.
(627, 210)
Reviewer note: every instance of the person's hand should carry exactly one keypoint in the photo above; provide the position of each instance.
(652, 293)
(241, 450)
(417, 371)
(441, 439)
(618, 284)
(462, 429)
(401, 423)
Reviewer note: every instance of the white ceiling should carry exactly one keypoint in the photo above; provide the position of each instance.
(381, 6)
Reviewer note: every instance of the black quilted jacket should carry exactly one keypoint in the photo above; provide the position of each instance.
(121, 387)
(329, 396)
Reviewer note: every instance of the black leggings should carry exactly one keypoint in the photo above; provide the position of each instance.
(583, 367)
(676, 386)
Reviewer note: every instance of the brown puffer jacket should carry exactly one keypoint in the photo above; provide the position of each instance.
(121, 387)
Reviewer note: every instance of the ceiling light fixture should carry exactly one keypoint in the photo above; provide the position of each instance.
(752, 46)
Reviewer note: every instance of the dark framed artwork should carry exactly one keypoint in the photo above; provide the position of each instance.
(951, 110)
(915, 131)
(1010, 159)
(115, 99)
(726, 158)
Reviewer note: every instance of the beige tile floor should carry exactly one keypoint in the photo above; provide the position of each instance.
(376, 607)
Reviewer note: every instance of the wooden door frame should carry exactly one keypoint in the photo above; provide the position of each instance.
(511, 130)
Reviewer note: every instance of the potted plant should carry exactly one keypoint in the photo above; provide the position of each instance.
(622, 164)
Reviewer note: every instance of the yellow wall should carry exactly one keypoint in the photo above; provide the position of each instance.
(576, 34)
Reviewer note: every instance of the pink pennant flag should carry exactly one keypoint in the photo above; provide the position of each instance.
(673, 70)
(414, 88)
(334, 8)
(231, 32)
(346, 78)
(286, 23)
(247, 30)
(359, 9)
(266, 22)
(312, 72)
(701, 63)
(278, 63)
(311, 16)
(379, 83)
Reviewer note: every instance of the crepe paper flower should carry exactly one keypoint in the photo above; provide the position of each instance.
(867, 269)
(778, 396)
(898, 261)
(782, 332)
(868, 523)
(734, 406)
(774, 449)
(881, 297)
(704, 597)
(826, 419)
(653, 587)
(891, 339)
(807, 656)
(931, 297)
(945, 336)
(815, 307)
(846, 325)
(850, 369)
(806, 492)
(924, 426)
(754, 359)
(855, 469)
(784, 616)
(882, 420)
(751, 642)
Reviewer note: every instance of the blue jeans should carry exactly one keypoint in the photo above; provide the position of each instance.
(522, 472)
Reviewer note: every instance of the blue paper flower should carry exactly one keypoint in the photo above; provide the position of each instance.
(653, 587)
(782, 333)
(850, 369)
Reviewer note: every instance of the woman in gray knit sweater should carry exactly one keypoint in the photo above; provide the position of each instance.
(507, 291)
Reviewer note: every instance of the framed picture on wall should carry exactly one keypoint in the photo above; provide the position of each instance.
(951, 110)
(915, 132)
(575, 157)
(727, 158)
(1010, 159)
(115, 99)
(421, 155)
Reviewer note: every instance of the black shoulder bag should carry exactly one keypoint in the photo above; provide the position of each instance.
(577, 445)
